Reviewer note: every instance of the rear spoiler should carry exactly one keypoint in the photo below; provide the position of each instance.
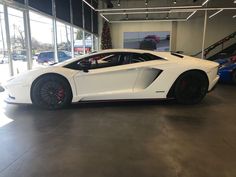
(177, 55)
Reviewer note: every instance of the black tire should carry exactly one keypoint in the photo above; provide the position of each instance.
(191, 87)
(51, 92)
(234, 77)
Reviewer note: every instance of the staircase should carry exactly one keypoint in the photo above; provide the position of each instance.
(222, 48)
(225, 53)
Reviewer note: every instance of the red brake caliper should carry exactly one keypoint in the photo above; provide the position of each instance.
(60, 94)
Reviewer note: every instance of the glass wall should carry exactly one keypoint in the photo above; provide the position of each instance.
(78, 42)
(88, 42)
(50, 36)
(95, 43)
(18, 43)
(41, 39)
(63, 41)
(4, 67)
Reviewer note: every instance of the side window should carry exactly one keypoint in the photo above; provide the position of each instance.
(137, 57)
(133, 58)
(102, 60)
(111, 59)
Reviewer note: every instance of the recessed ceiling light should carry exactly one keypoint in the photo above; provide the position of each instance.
(216, 13)
(175, 2)
(206, 1)
(191, 15)
(234, 16)
(234, 1)
(167, 16)
(118, 3)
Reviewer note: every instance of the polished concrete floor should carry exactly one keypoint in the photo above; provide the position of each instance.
(138, 139)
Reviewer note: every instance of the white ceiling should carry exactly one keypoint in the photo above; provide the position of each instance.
(137, 10)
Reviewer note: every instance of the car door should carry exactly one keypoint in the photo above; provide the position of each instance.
(108, 74)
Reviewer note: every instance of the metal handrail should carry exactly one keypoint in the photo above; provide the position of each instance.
(213, 46)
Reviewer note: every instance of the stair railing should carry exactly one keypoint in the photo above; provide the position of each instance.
(218, 43)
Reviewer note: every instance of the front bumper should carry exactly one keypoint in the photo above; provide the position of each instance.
(7, 98)
(213, 84)
(2, 89)
(10, 100)
(17, 94)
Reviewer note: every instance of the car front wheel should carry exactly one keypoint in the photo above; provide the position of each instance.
(51, 92)
(191, 87)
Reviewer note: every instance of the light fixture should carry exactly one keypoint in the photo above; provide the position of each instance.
(215, 13)
(146, 2)
(175, 2)
(191, 15)
(89, 4)
(104, 17)
(234, 16)
(234, 1)
(167, 16)
(118, 3)
(206, 1)
(127, 17)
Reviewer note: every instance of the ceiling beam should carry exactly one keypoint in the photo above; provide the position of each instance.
(146, 21)
(169, 11)
(147, 8)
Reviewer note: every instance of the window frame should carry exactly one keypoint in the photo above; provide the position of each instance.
(75, 65)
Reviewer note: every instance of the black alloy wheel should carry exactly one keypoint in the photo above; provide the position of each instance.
(191, 87)
(51, 92)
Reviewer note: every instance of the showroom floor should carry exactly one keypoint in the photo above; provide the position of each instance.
(144, 139)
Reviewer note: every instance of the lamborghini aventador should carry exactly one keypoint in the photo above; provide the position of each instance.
(121, 74)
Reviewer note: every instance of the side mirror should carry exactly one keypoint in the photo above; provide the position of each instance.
(83, 65)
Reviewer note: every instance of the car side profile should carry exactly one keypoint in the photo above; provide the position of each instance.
(118, 74)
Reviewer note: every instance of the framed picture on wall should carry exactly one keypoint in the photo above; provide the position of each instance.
(156, 41)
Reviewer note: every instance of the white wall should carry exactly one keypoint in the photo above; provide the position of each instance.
(189, 34)
(185, 36)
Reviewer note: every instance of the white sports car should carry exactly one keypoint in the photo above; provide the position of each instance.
(115, 75)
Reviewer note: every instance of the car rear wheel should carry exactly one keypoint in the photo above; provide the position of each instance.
(234, 77)
(191, 87)
(51, 92)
